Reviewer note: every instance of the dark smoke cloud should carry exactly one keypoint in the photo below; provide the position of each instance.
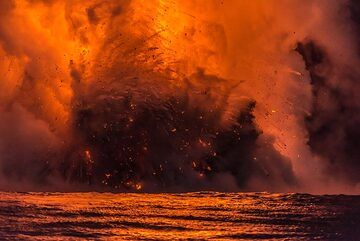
(174, 144)
(333, 121)
(333, 124)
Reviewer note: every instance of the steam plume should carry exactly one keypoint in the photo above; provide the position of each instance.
(180, 95)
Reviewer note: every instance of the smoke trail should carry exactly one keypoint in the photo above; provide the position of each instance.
(180, 95)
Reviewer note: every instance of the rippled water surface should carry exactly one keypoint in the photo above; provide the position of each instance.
(191, 216)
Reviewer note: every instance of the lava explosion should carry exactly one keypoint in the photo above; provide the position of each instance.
(167, 95)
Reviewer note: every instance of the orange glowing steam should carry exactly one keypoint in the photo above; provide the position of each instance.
(220, 53)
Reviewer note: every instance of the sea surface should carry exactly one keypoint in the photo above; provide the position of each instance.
(189, 216)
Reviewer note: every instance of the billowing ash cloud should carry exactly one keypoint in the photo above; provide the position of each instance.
(172, 144)
(178, 95)
(333, 124)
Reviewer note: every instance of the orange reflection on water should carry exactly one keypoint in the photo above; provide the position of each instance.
(204, 215)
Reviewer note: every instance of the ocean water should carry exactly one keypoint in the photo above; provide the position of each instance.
(189, 216)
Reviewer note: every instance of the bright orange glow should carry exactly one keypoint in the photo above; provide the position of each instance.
(72, 45)
(59, 57)
(218, 56)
